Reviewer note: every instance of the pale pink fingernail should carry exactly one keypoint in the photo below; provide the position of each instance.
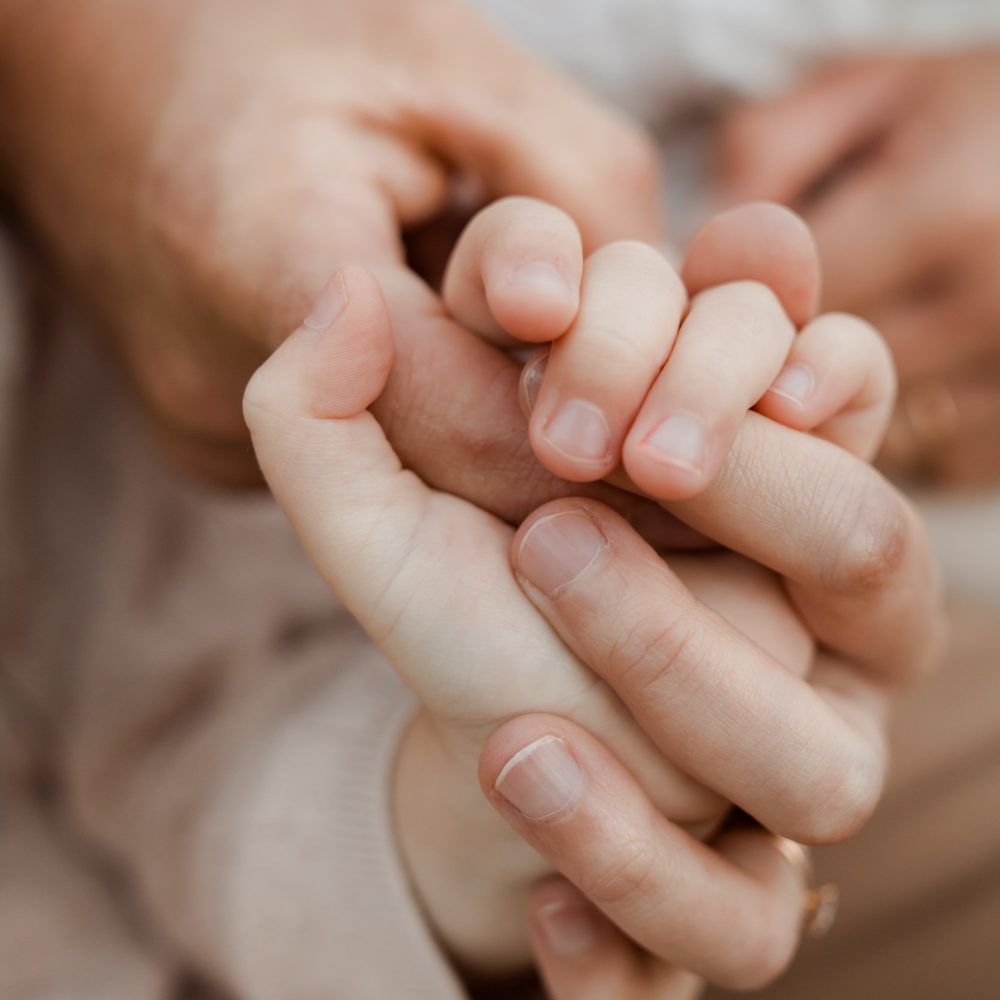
(532, 376)
(678, 440)
(329, 304)
(579, 430)
(541, 279)
(569, 928)
(795, 383)
(541, 780)
(558, 549)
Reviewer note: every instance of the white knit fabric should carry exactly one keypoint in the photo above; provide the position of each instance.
(647, 55)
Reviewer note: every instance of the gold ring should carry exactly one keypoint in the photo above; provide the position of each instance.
(819, 903)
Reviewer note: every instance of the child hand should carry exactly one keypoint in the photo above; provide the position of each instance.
(653, 370)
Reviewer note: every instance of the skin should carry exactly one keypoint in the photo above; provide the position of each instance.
(913, 143)
(437, 580)
(198, 183)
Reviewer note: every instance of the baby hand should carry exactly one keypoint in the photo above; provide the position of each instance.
(654, 370)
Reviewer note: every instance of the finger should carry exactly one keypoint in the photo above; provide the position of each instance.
(451, 411)
(712, 700)
(515, 273)
(324, 456)
(582, 956)
(854, 553)
(759, 242)
(450, 408)
(838, 382)
(753, 600)
(597, 374)
(780, 149)
(731, 914)
(730, 348)
(352, 504)
(527, 130)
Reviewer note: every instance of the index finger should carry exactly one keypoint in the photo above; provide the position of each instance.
(854, 552)
(732, 913)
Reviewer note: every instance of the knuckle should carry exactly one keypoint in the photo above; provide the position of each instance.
(648, 655)
(872, 540)
(641, 267)
(881, 367)
(841, 800)
(746, 294)
(750, 306)
(644, 257)
(515, 215)
(627, 874)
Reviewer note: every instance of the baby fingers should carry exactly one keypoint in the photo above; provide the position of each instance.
(515, 273)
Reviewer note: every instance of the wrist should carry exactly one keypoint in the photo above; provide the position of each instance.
(471, 872)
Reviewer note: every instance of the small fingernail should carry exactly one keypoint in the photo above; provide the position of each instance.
(569, 928)
(558, 549)
(795, 383)
(579, 430)
(329, 304)
(541, 278)
(541, 780)
(679, 440)
(532, 376)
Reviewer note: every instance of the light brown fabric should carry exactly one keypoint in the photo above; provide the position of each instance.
(185, 698)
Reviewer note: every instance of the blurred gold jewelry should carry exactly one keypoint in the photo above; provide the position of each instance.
(819, 904)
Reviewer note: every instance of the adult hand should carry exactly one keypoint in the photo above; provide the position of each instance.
(893, 163)
(646, 901)
(723, 713)
(202, 176)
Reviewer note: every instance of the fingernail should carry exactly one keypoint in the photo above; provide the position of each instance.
(532, 376)
(541, 278)
(579, 430)
(328, 305)
(541, 780)
(679, 440)
(558, 549)
(569, 929)
(795, 383)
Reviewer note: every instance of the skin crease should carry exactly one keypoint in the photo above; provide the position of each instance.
(912, 142)
(170, 183)
(200, 181)
(437, 534)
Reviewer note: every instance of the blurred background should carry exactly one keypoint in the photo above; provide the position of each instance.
(878, 121)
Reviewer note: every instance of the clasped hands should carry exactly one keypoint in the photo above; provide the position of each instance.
(254, 155)
(614, 703)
